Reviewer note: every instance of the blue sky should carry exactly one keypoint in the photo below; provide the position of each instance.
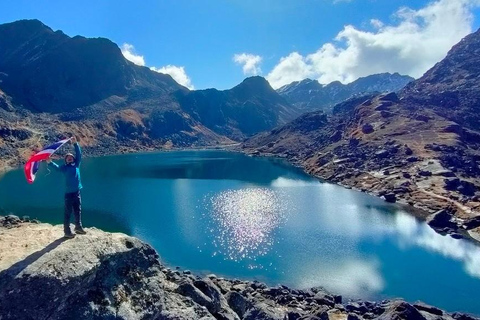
(282, 40)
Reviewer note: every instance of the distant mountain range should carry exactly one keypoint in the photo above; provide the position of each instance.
(309, 95)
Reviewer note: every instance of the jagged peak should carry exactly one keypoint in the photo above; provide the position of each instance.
(337, 83)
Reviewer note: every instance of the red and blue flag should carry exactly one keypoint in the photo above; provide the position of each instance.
(32, 165)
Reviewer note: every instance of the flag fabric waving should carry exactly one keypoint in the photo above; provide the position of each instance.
(32, 165)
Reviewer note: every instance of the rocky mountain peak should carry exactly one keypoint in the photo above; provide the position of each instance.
(460, 68)
(451, 87)
(47, 71)
(334, 84)
(254, 84)
(27, 25)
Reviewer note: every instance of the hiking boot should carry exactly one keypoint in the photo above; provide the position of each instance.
(69, 236)
(80, 231)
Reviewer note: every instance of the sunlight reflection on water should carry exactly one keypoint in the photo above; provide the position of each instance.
(244, 221)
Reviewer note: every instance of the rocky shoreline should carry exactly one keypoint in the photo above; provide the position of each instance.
(114, 276)
(445, 215)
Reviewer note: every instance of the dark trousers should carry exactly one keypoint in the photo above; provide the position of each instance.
(73, 202)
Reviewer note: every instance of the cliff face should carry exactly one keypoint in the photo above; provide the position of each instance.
(113, 276)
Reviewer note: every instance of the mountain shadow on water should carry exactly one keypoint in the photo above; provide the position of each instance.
(216, 166)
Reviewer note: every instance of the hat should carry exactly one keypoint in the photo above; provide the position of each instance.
(69, 154)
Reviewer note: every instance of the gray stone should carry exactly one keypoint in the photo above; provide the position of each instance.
(237, 303)
(367, 128)
(390, 197)
(425, 307)
(324, 299)
(265, 311)
(441, 219)
(401, 310)
(381, 154)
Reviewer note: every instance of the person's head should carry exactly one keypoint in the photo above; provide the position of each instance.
(69, 158)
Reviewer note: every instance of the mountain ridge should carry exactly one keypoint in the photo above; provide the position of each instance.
(48, 71)
(53, 85)
(310, 95)
(245, 109)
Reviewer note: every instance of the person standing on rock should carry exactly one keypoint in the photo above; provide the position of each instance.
(73, 185)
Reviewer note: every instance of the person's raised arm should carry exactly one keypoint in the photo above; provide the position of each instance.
(78, 152)
(53, 165)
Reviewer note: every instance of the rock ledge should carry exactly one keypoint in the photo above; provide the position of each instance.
(113, 276)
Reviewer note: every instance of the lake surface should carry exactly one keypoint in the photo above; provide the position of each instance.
(256, 218)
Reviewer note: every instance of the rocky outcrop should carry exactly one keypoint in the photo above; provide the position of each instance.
(113, 276)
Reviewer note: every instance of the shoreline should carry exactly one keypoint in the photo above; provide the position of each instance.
(38, 252)
(451, 225)
(417, 209)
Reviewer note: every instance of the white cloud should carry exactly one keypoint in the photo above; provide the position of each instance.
(282, 182)
(293, 67)
(250, 62)
(376, 23)
(348, 276)
(129, 53)
(412, 45)
(178, 74)
(413, 232)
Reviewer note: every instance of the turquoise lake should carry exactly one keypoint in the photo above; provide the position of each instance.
(257, 218)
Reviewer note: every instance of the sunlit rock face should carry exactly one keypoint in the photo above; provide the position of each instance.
(244, 221)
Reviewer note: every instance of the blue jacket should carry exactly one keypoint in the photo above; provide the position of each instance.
(73, 182)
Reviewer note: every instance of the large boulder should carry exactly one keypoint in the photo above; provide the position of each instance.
(367, 128)
(472, 223)
(467, 188)
(441, 219)
(390, 197)
(401, 310)
(97, 276)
